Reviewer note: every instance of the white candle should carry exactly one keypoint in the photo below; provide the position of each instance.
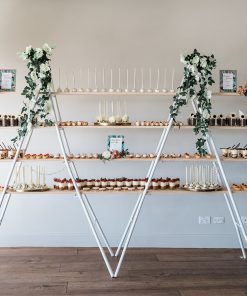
(88, 77)
(165, 78)
(24, 181)
(127, 79)
(112, 108)
(74, 79)
(120, 108)
(119, 78)
(111, 78)
(81, 76)
(134, 78)
(142, 78)
(103, 78)
(59, 77)
(43, 176)
(67, 82)
(158, 78)
(173, 74)
(125, 108)
(150, 78)
(186, 175)
(106, 113)
(95, 77)
(100, 108)
(31, 176)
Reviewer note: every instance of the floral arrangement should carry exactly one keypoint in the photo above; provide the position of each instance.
(242, 90)
(108, 155)
(37, 91)
(197, 77)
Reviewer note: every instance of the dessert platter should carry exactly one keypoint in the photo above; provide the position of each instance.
(241, 187)
(157, 123)
(29, 179)
(9, 120)
(234, 151)
(220, 120)
(116, 184)
(202, 178)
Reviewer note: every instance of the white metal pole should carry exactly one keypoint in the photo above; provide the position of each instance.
(139, 197)
(4, 208)
(84, 195)
(79, 196)
(236, 227)
(235, 209)
(142, 200)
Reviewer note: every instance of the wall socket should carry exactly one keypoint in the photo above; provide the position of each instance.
(218, 220)
(204, 220)
(244, 219)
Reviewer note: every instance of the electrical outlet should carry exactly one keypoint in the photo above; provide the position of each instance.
(244, 219)
(218, 220)
(204, 219)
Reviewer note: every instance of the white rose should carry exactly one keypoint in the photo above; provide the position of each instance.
(28, 49)
(192, 69)
(106, 154)
(195, 60)
(34, 76)
(182, 59)
(209, 94)
(41, 75)
(38, 53)
(203, 62)
(44, 67)
(47, 48)
(48, 87)
(205, 114)
(125, 118)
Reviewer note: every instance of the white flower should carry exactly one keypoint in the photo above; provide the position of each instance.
(23, 55)
(203, 62)
(192, 68)
(38, 53)
(47, 107)
(28, 49)
(44, 67)
(209, 94)
(41, 75)
(47, 48)
(182, 59)
(48, 87)
(106, 154)
(125, 118)
(196, 60)
(205, 114)
(34, 76)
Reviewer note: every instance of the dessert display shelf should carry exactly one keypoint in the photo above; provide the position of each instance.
(141, 191)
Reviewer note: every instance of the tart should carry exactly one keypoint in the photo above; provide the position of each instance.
(186, 155)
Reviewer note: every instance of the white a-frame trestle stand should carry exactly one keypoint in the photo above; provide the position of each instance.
(86, 206)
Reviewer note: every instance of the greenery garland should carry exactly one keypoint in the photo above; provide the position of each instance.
(37, 91)
(197, 77)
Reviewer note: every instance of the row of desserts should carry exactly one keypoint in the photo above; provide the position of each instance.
(10, 155)
(117, 184)
(241, 187)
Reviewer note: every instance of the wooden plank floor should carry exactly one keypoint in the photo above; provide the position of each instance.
(80, 271)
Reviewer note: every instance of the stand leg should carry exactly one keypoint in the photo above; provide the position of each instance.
(138, 199)
(79, 195)
(86, 201)
(5, 205)
(133, 223)
(236, 227)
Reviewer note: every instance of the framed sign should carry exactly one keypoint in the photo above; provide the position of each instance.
(7, 80)
(228, 81)
(116, 142)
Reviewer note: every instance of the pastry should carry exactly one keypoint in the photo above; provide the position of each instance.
(197, 156)
(186, 155)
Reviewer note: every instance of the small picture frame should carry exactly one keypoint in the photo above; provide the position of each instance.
(116, 142)
(7, 80)
(228, 81)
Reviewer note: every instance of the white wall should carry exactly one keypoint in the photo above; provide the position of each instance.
(123, 34)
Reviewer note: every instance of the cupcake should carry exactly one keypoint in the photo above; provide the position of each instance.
(136, 182)
(90, 183)
(104, 183)
(143, 182)
(155, 184)
(77, 156)
(128, 182)
(97, 183)
(163, 184)
(172, 184)
(120, 183)
(112, 183)
(78, 183)
(70, 185)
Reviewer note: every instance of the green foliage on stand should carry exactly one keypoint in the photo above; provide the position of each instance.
(37, 91)
(196, 80)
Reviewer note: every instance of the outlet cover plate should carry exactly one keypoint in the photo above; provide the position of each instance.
(204, 220)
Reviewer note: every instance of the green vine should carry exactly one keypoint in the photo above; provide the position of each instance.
(37, 91)
(197, 77)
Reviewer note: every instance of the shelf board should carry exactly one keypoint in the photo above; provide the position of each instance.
(182, 159)
(150, 192)
(137, 93)
(90, 126)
